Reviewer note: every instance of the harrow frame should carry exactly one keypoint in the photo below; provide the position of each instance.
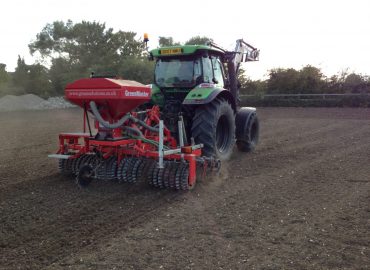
(75, 145)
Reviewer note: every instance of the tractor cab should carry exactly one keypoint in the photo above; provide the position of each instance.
(182, 68)
(188, 72)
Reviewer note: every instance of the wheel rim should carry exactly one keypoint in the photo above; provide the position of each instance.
(222, 134)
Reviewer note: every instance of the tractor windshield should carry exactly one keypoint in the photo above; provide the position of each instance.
(177, 72)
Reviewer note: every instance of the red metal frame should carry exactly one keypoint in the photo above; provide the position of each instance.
(115, 98)
(77, 144)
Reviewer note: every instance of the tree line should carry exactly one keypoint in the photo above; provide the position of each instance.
(308, 80)
(67, 51)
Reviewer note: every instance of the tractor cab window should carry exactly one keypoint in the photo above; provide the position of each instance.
(177, 72)
(197, 71)
(212, 71)
(207, 70)
(217, 71)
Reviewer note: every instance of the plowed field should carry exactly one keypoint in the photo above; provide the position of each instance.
(300, 201)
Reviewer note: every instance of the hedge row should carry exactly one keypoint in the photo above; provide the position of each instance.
(345, 101)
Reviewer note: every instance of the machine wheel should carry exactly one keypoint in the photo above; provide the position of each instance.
(85, 175)
(214, 126)
(130, 170)
(107, 169)
(65, 166)
(247, 130)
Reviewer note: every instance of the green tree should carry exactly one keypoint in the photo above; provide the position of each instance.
(311, 80)
(61, 73)
(38, 81)
(20, 76)
(290, 81)
(137, 69)
(242, 78)
(335, 84)
(198, 40)
(167, 41)
(346, 82)
(355, 83)
(76, 50)
(282, 81)
(85, 43)
(33, 79)
(4, 77)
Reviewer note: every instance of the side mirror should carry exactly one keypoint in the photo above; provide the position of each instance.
(215, 81)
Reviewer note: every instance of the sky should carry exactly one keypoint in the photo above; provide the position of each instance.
(331, 35)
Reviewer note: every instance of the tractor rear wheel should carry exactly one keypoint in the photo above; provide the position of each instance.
(214, 126)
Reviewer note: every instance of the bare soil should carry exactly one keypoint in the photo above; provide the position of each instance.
(301, 201)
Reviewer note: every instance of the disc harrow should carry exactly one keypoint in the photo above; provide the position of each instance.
(107, 169)
(174, 175)
(130, 170)
(65, 166)
(86, 159)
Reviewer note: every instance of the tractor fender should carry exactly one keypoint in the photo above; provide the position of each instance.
(200, 96)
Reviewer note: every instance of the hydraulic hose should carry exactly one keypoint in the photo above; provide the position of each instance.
(142, 123)
(134, 130)
(120, 122)
(106, 124)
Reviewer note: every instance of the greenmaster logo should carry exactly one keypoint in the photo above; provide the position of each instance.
(136, 93)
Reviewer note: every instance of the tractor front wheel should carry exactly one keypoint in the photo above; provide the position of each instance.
(247, 129)
(214, 126)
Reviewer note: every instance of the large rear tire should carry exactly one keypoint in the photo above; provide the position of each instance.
(214, 126)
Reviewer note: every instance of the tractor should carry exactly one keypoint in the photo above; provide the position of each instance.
(199, 82)
(186, 122)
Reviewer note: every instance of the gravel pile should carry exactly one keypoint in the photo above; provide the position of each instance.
(32, 102)
(55, 103)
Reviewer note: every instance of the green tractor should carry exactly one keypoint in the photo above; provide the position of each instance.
(198, 83)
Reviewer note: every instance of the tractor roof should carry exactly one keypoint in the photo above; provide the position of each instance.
(183, 50)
